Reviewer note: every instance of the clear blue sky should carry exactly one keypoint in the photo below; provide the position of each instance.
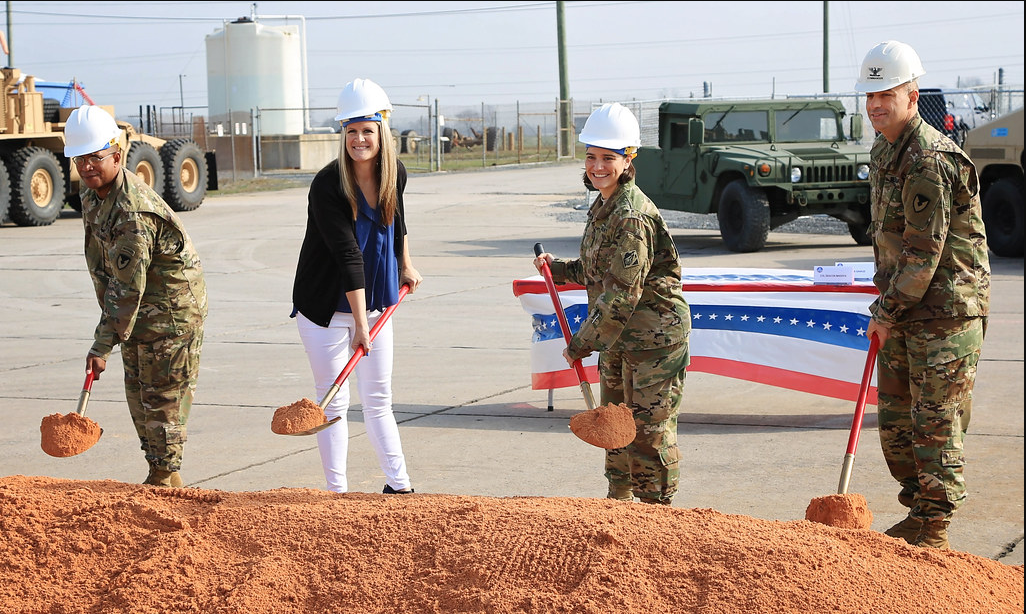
(129, 54)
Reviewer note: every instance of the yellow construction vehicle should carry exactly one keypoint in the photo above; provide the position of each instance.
(37, 180)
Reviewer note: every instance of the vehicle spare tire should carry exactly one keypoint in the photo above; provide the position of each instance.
(185, 174)
(409, 144)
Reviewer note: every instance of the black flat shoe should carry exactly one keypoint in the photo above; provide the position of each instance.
(391, 491)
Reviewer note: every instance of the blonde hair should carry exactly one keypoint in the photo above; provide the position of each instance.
(388, 173)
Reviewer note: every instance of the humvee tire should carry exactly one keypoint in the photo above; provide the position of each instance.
(744, 217)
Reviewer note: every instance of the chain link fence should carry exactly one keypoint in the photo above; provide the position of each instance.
(431, 135)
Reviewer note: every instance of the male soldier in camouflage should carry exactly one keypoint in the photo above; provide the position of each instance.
(638, 319)
(150, 287)
(933, 273)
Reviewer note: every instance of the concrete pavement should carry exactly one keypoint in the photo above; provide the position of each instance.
(470, 423)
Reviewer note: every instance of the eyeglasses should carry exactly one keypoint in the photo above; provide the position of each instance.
(91, 159)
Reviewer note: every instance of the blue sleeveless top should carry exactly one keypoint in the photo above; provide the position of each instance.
(380, 267)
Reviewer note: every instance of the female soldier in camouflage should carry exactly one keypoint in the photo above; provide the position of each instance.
(638, 319)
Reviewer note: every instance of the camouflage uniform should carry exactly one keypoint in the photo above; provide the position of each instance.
(933, 274)
(639, 323)
(149, 283)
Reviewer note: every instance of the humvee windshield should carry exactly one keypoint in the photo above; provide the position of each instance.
(753, 126)
(734, 126)
(807, 125)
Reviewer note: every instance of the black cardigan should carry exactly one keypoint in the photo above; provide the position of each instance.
(330, 261)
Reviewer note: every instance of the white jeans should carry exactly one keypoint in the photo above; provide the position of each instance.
(328, 351)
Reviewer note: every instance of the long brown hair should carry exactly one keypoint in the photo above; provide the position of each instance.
(388, 172)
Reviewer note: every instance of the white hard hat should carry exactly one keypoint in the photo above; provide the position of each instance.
(362, 98)
(888, 65)
(612, 126)
(89, 128)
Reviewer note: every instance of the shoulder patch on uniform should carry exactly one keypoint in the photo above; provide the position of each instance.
(630, 259)
(920, 202)
(124, 258)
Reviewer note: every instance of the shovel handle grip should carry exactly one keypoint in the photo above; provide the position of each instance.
(83, 398)
(560, 314)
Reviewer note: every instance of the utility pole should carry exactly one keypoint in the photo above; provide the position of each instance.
(566, 145)
(826, 47)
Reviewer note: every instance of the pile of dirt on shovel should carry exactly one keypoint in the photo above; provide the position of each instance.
(300, 416)
(64, 435)
(106, 546)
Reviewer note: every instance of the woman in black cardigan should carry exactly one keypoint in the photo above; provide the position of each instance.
(354, 259)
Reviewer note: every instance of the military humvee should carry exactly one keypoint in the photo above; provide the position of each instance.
(758, 164)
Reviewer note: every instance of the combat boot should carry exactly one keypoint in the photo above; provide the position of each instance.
(933, 534)
(907, 529)
(162, 477)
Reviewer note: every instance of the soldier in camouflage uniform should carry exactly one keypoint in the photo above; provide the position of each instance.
(638, 319)
(149, 284)
(933, 273)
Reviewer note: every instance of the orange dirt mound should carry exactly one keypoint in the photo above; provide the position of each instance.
(849, 511)
(301, 416)
(67, 434)
(609, 426)
(106, 546)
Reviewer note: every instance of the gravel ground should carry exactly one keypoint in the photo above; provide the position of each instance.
(576, 210)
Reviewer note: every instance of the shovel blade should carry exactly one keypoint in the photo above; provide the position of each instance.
(316, 429)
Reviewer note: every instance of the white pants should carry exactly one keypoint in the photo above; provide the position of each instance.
(328, 351)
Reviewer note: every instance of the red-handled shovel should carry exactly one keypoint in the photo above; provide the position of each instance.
(848, 511)
(856, 422)
(358, 353)
(609, 426)
(589, 398)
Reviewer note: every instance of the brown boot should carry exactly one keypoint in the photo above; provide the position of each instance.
(933, 534)
(161, 477)
(907, 529)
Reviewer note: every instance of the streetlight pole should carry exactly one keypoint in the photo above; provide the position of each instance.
(181, 99)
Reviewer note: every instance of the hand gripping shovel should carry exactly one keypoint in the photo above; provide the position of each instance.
(856, 422)
(609, 426)
(358, 353)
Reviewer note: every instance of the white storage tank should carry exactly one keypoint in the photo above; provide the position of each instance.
(251, 65)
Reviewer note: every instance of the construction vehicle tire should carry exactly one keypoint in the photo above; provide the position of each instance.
(37, 186)
(185, 174)
(144, 161)
(5, 192)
